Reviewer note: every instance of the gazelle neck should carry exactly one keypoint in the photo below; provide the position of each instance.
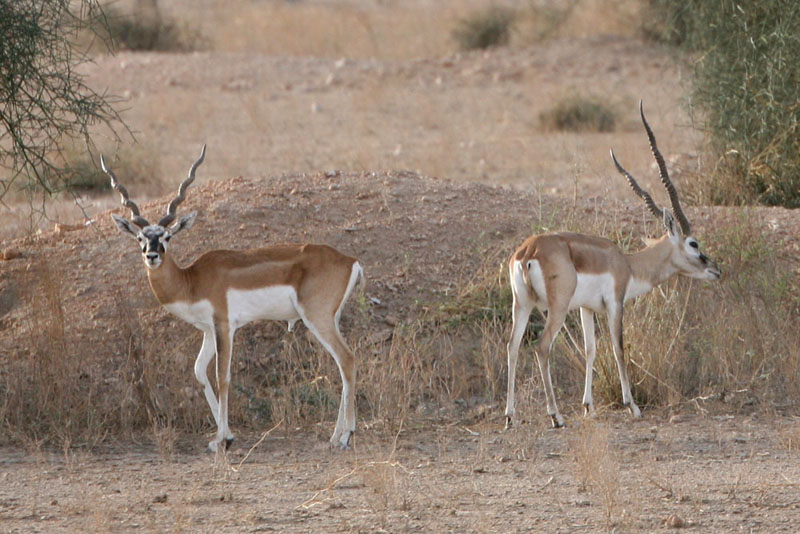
(650, 267)
(168, 282)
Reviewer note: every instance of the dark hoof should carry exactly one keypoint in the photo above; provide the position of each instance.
(228, 443)
(556, 422)
(509, 423)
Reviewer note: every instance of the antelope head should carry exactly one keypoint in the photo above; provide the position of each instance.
(154, 238)
(685, 255)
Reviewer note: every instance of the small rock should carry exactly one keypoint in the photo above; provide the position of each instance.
(160, 498)
(674, 521)
(10, 254)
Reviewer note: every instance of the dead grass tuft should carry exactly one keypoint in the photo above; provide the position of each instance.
(596, 467)
(408, 30)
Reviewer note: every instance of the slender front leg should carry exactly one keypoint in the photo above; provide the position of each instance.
(224, 355)
(615, 325)
(521, 313)
(590, 347)
(207, 352)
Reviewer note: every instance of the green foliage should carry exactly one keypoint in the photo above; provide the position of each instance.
(579, 114)
(746, 84)
(81, 172)
(145, 30)
(484, 29)
(46, 103)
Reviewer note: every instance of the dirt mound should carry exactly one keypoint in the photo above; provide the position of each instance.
(418, 238)
(413, 235)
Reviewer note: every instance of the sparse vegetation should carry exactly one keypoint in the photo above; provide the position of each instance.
(745, 91)
(82, 173)
(102, 419)
(146, 29)
(484, 29)
(47, 104)
(580, 114)
(596, 467)
(678, 343)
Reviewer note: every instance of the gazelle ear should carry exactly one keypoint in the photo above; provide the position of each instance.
(671, 226)
(124, 225)
(184, 223)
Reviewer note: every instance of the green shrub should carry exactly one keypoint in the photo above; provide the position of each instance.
(484, 29)
(82, 172)
(142, 31)
(746, 81)
(579, 114)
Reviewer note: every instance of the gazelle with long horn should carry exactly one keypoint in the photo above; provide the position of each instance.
(223, 290)
(563, 271)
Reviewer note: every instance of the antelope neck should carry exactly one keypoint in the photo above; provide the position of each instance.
(169, 282)
(652, 265)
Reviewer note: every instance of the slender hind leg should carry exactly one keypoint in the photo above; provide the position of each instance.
(543, 349)
(327, 333)
(590, 346)
(560, 285)
(615, 325)
(521, 313)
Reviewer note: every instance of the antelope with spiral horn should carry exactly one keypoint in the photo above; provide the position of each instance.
(562, 271)
(223, 290)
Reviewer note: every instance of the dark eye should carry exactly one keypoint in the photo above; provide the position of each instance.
(693, 244)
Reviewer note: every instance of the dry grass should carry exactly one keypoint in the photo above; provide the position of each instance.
(398, 30)
(138, 165)
(449, 363)
(596, 467)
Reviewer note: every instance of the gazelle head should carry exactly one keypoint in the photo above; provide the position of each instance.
(154, 238)
(685, 254)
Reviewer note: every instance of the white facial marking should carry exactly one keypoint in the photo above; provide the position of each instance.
(691, 246)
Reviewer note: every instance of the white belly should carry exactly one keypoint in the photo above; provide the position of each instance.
(593, 291)
(278, 303)
(200, 314)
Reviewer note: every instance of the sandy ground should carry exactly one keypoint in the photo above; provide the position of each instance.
(711, 474)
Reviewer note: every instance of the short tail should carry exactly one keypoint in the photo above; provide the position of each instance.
(356, 276)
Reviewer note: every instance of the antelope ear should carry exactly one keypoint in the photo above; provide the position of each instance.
(672, 227)
(184, 223)
(124, 225)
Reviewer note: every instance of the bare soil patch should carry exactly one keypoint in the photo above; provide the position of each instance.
(698, 473)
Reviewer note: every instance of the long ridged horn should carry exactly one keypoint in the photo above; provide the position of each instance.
(644, 195)
(662, 170)
(137, 219)
(173, 205)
